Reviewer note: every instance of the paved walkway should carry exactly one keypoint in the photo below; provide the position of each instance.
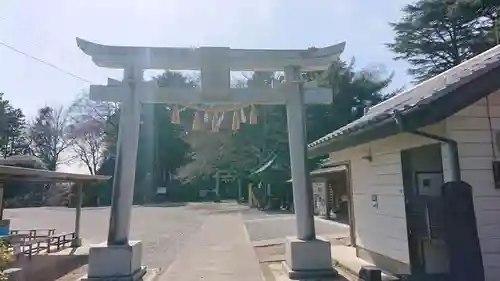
(220, 251)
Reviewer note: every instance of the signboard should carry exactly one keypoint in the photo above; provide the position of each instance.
(161, 190)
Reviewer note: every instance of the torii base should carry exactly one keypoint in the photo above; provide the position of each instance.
(116, 262)
(308, 259)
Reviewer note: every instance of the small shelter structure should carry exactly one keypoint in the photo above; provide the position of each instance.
(11, 174)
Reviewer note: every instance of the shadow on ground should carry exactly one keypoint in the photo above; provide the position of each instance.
(48, 267)
(278, 212)
(165, 205)
(274, 271)
(271, 258)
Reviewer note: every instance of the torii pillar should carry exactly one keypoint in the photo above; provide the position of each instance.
(306, 255)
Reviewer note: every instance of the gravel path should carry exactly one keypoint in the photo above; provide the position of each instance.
(164, 230)
(220, 251)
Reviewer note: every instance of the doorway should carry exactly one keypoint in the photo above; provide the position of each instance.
(338, 194)
(422, 171)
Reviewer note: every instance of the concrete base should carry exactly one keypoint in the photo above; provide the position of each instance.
(308, 259)
(116, 262)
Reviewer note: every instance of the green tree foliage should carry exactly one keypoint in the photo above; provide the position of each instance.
(488, 8)
(208, 151)
(161, 150)
(14, 144)
(240, 151)
(436, 35)
(268, 139)
(352, 92)
(12, 130)
(484, 12)
(252, 146)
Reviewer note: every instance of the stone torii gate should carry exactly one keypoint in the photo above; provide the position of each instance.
(306, 255)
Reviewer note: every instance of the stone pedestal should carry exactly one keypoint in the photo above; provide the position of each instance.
(308, 259)
(115, 262)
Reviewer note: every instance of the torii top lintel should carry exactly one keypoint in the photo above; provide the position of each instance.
(121, 57)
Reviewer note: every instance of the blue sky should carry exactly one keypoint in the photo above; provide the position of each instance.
(47, 30)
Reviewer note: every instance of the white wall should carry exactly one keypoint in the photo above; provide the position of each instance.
(471, 129)
(383, 229)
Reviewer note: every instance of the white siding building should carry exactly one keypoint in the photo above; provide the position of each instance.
(391, 167)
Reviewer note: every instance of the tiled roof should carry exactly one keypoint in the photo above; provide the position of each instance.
(420, 95)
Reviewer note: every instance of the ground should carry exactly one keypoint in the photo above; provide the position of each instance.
(266, 226)
(164, 229)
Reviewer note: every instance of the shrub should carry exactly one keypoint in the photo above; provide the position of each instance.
(6, 256)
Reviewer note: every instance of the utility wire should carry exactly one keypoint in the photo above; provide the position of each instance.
(44, 62)
(61, 53)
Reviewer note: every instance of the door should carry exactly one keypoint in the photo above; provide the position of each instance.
(350, 200)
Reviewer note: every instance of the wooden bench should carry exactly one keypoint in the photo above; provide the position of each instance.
(34, 241)
(34, 233)
(31, 247)
(60, 240)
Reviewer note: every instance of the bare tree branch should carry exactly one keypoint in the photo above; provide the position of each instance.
(48, 136)
(90, 123)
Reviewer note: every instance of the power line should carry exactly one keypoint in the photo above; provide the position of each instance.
(61, 53)
(44, 62)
